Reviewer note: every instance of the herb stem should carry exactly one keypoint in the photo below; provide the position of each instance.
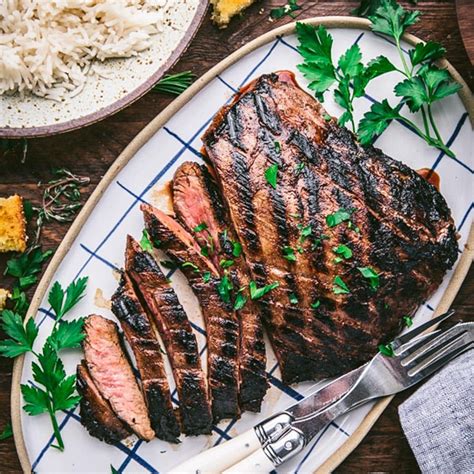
(400, 52)
(425, 120)
(433, 124)
(56, 430)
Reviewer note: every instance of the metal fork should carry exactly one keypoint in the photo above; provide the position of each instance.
(414, 359)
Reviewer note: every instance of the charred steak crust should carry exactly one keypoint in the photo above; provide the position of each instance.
(405, 231)
(146, 348)
(178, 337)
(197, 200)
(96, 414)
(222, 325)
(112, 373)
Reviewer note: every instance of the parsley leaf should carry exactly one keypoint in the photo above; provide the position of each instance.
(271, 175)
(67, 335)
(7, 432)
(27, 265)
(36, 400)
(339, 286)
(391, 19)
(74, 293)
(22, 336)
(375, 122)
(289, 254)
(145, 242)
(350, 62)
(305, 232)
(338, 217)
(200, 227)
(343, 250)
(386, 350)
(236, 249)
(226, 263)
(206, 277)
(371, 275)
(224, 287)
(293, 298)
(429, 51)
(240, 300)
(256, 293)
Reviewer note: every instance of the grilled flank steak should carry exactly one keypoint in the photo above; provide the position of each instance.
(178, 337)
(354, 239)
(112, 374)
(222, 325)
(96, 413)
(146, 349)
(199, 207)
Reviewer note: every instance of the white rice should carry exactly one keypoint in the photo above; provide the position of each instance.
(49, 47)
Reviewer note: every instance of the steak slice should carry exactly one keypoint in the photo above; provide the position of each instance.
(96, 413)
(146, 348)
(112, 374)
(197, 200)
(222, 325)
(178, 337)
(329, 192)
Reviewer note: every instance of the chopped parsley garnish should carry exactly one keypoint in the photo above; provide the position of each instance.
(256, 293)
(354, 227)
(200, 227)
(236, 249)
(338, 217)
(327, 117)
(289, 254)
(224, 287)
(305, 232)
(271, 175)
(339, 287)
(206, 277)
(226, 263)
(190, 265)
(316, 304)
(299, 168)
(277, 146)
(371, 275)
(337, 260)
(386, 350)
(293, 298)
(240, 300)
(299, 249)
(408, 321)
(145, 242)
(205, 251)
(343, 250)
(288, 9)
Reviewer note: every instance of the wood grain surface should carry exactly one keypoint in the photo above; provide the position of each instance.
(92, 150)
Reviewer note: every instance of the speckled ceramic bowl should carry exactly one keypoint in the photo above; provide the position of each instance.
(130, 78)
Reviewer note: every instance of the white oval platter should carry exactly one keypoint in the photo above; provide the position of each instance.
(95, 243)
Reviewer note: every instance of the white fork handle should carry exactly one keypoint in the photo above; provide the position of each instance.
(219, 458)
(256, 463)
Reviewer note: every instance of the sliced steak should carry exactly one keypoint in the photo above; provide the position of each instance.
(112, 373)
(145, 345)
(96, 413)
(178, 337)
(396, 224)
(197, 201)
(222, 325)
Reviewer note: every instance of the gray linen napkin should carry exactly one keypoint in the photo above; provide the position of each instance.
(438, 419)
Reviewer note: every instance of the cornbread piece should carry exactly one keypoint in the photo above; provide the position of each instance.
(4, 295)
(224, 10)
(12, 225)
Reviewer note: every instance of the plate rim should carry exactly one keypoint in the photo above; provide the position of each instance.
(142, 138)
(120, 104)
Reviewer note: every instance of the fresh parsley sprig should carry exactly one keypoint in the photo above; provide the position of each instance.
(424, 83)
(174, 84)
(350, 75)
(53, 389)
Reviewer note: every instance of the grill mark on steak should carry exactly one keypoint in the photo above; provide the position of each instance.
(96, 413)
(178, 337)
(112, 374)
(190, 180)
(222, 325)
(346, 329)
(146, 348)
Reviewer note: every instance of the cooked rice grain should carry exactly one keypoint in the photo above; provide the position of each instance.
(49, 47)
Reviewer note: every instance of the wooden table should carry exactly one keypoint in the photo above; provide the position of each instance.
(92, 150)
